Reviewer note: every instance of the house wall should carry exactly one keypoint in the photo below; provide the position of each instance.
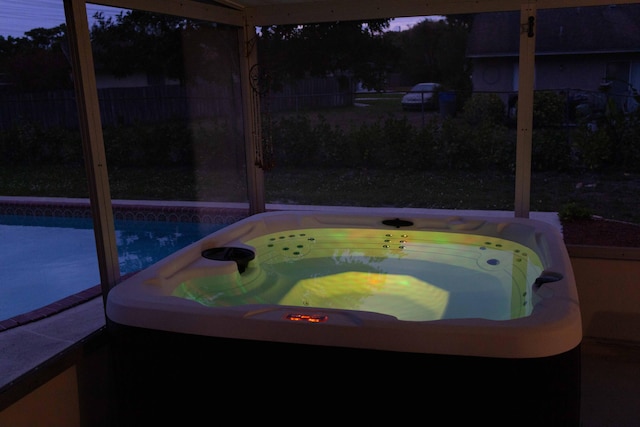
(494, 75)
(569, 72)
(572, 73)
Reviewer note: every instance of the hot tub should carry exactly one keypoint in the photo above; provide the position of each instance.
(301, 303)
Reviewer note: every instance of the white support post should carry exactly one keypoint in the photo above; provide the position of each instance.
(526, 84)
(252, 118)
(92, 143)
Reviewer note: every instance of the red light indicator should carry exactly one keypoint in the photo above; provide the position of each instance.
(309, 318)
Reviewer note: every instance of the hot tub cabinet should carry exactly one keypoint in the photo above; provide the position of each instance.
(369, 316)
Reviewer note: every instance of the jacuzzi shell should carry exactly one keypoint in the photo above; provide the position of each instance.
(177, 362)
(553, 327)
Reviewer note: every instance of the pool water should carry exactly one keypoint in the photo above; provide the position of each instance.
(415, 276)
(45, 259)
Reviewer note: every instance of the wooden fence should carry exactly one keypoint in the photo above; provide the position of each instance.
(153, 104)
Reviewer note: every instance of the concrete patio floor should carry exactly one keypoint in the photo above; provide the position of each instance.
(610, 384)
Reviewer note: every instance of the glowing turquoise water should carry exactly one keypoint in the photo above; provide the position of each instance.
(417, 275)
(44, 259)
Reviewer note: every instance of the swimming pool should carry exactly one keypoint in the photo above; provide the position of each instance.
(45, 259)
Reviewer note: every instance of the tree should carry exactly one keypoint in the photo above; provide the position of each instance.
(435, 50)
(346, 48)
(137, 41)
(163, 45)
(36, 62)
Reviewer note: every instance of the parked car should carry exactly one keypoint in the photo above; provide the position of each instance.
(422, 95)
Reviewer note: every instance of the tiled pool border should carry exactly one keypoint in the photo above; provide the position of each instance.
(200, 212)
(208, 213)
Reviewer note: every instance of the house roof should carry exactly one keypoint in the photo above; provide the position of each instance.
(576, 30)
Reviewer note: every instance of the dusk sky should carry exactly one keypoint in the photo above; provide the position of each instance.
(19, 16)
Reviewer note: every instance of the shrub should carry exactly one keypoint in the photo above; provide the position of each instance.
(360, 145)
(593, 146)
(394, 145)
(574, 211)
(483, 108)
(549, 109)
(551, 150)
(300, 142)
(627, 150)
(478, 138)
(29, 143)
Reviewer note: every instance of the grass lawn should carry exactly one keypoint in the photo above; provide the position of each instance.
(613, 196)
